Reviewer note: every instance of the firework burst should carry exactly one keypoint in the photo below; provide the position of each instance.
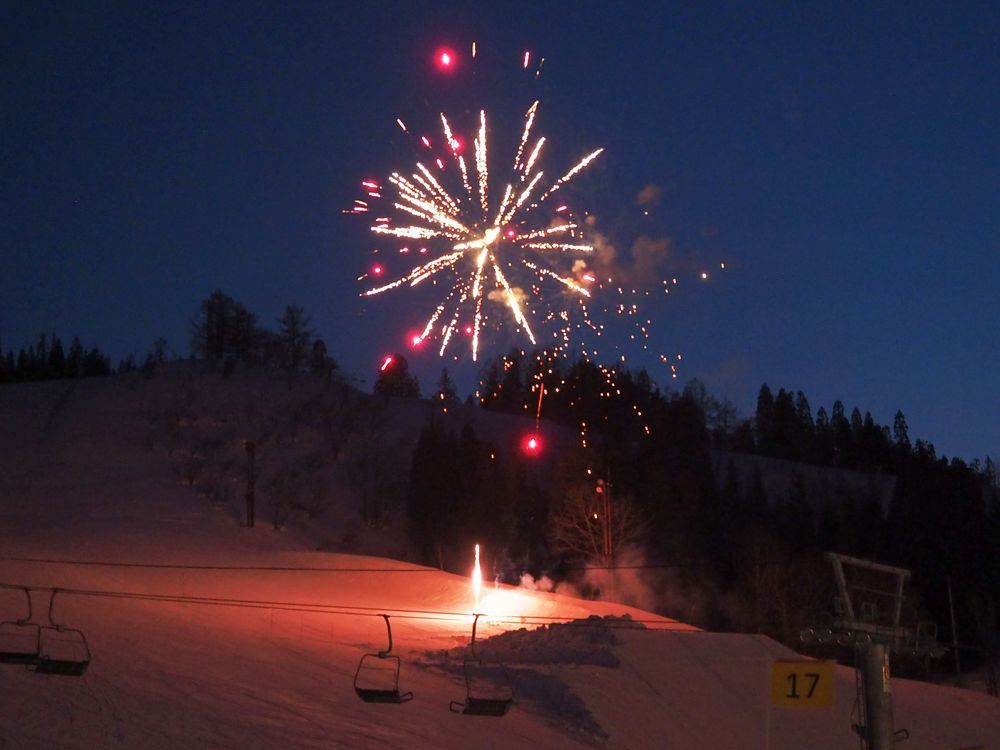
(487, 235)
(498, 253)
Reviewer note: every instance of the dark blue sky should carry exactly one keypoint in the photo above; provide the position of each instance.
(842, 159)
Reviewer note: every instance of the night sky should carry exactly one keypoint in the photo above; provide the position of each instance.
(840, 159)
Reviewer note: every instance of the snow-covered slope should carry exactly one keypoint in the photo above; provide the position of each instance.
(207, 635)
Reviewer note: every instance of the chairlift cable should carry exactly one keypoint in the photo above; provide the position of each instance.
(251, 568)
(331, 609)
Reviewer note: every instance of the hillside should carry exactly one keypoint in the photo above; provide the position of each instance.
(204, 633)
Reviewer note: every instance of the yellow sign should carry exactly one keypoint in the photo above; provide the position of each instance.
(801, 684)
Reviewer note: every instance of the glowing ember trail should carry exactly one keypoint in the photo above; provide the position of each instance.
(489, 254)
(477, 579)
(479, 229)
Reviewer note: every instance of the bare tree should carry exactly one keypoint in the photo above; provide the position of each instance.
(283, 490)
(778, 593)
(580, 527)
(194, 456)
(983, 607)
(295, 336)
(373, 465)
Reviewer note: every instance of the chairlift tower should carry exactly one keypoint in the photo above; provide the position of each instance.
(868, 613)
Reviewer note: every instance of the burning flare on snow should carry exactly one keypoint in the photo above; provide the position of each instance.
(477, 578)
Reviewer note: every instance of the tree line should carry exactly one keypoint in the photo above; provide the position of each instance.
(760, 555)
(48, 359)
(224, 332)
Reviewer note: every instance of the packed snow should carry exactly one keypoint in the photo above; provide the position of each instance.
(206, 634)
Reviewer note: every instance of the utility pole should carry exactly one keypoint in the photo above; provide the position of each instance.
(609, 550)
(251, 449)
(954, 633)
(607, 544)
(878, 728)
(874, 635)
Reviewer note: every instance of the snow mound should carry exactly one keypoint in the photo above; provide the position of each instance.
(582, 641)
(590, 641)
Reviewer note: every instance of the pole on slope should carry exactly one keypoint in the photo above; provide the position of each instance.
(251, 449)
(878, 729)
(954, 633)
(768, 708)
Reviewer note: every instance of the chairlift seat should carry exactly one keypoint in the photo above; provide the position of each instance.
(496, 704)
(69, 659)
(482, 706)
(386, 694)
(18, 643)
(379, 695)
(64, 667)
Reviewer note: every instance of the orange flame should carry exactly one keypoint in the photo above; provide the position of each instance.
(477, 578)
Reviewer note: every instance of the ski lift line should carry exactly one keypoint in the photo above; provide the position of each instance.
(334, 609)
(294, 569)
(250, 568)
(315, 607)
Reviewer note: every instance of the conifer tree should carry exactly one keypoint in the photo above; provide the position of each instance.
(785, 426)
(57, 359)
(394, 379)
(41, 358)
(74, 360)
(320, 362)
(446, 391)
(223, 328)
(95, 364)
(159, 352)
(857, 423)
(764, 417)
(512, 390)
(900, 432)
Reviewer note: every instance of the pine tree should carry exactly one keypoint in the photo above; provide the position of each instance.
(95, 364)
(159, 352)
(394, 379)
(321, 363)
(900, 432)
(764, 417)
(785, 432)
(223, 328)
(247, 340)
(857, 423)
(57, 359)
(512, 390)
(74, 361)
(23, 369)
(803, 411)
(446, 392)
(843, 440)
(41, 363)
(489, 385)
(823, 442)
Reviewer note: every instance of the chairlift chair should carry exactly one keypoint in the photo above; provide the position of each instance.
(19, 638)
(368, 668)
(61, 650)
(478, 705)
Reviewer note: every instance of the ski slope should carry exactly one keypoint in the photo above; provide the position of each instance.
(205, 634)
